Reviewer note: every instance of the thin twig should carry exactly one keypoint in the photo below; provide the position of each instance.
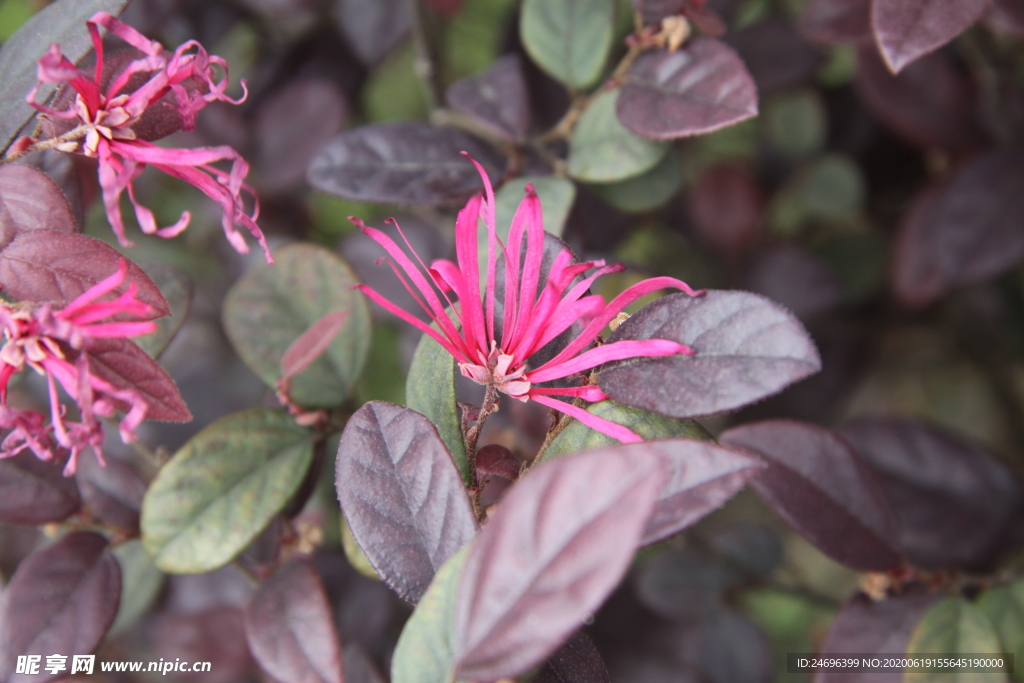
(72, 135)
(426, 60)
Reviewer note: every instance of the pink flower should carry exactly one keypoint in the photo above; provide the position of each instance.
(530, 321)
(54, 345)
(109, 114)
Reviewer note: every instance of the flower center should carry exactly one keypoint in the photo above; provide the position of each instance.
(499, 368)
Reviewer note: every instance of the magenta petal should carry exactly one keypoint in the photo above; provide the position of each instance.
(620, 350)
(600, 424)
(589, 392)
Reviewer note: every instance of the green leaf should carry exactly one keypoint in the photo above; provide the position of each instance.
(425, 650)
(222, 488)
(579, 437)
(603, 151)
(953, 627)
(569, 39)
(1005, 609)
(556, 198)
(141, 582)
(834, 188)
(354, 554)
(648, 190)
(177, 290)
(63, 23)
(430, 390)
(796, 122)
(272, 304)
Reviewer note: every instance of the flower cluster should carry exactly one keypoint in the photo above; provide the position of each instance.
(530, 320)
(54, 344)
(104, 117)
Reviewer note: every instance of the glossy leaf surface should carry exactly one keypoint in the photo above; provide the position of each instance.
(908, 29)
(402, 495)
(549, 555)
(698, 89)
(569, 39)
(746, 348)
(496, 99)
(402, 163)
(602, 150)
(125, 365)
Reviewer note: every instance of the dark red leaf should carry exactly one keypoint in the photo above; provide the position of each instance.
(908, 29)
(123, 364)
(496, 460)
(697, 89)
(1006, 16)
(578, 661)
(700, 477)
(31, 202)
(213, 634)
(402, 495)
(963, 229)
(954, 501)
(653, 11)
(549, 555)
(684, 584)
(61, 600)
(727, 206)
(836, 21)
(819, 485)
(402, 163)
(746, 348)
(292, 125)
(930, 104)
(35, 492)
(290, 629)
(775, 54)
(56, 267)
(796, 278)
(373, 29)
(866, 626)
(496, 99)
(311, 343)
(113, 493)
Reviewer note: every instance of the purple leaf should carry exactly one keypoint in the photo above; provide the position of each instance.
(66, 171)
(963, 229)
(819, 485)
(60, 22)
(311, 343)
(56, 267)
(1006, 16)
(700, 477)
(930, 104)
(496, 99)
(126, 366)
(727, 206)
(908, 29)
(214, 634)
(549, 555)
(654, 11)
(35, 492)
(683, 584)
(290, 630)
(836, 21)
(373, 29)
(31, 202)
(954, 501)
(402, 163)
(292, 125)
(61, 600)
(402, 495)
(726, 648)
(698, 89)
(112, 493)
(796, 278)
(746, 348)
(866, 626)
(578, 661)
(777, 56)
(359, 667)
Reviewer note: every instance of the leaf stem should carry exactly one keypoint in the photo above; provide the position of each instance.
(426, 59)
(490, 405)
